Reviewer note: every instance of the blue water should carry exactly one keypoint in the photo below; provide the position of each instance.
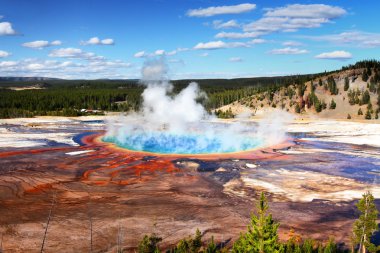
(168, 143)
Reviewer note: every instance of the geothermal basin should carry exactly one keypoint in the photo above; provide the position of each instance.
(115, 191)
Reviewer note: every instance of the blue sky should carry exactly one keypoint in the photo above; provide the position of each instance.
(93, 39)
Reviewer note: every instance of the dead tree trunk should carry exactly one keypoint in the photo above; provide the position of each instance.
(47, 223)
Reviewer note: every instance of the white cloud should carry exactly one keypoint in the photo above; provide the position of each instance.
(291, 44)
(74, 53)
(352, 38)
(64, 69)
(294, 17)
(97, 41)
(235, 59)
(159, 52)
(219, 45)
(40, 44)
(307, 11)
(218, 24)
(335, 55)
(6, 29)
(231, 35)
(107, 42)
(7, 64)
(204, 54)
(140, 54)
(56, 43)
(219, 10)
(288, 50)
(257, 41)
(4, 54)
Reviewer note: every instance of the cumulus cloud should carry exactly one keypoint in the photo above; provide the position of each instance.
(6, 29)
(219, 45)
(257, 41)
(219, 24)
(307, 11)
(291, 43)
(64, 69)
(74, 53)
(288, 50)
(234, 35)
(140, 54)
(335, 55)
(40, 44)
(219, 10)
(4, 54)
(235, 59)
(294, 17)
(97, 41)
(7, 64)
(56, 43)
(352, 38)
(159, 52)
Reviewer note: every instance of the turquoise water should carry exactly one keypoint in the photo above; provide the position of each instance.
(168, 143)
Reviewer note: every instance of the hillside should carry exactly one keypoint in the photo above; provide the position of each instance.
(352, 90)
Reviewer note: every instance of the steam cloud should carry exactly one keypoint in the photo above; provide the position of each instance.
(178, 124)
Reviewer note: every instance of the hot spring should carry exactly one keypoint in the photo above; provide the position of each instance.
(166, 142)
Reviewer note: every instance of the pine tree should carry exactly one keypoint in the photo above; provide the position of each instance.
(366, 97)
(332, 104)
(346, 84)
(365, 225)
(365, 76)
(330, 247)
(211, 247)
(196, 243)
(261, 236)
(368, 115)
(149, 244)
(308, 246)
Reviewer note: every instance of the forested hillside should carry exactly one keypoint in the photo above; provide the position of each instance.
(351, 93)
(69, 97)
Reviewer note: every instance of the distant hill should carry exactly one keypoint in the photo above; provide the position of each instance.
(26, 79)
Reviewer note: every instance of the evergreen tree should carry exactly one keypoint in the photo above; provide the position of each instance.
(308, 246)
(149, 244)
(261, 236)
(196, 243)
(298, 109)
(360, 112)
(365, 225)
(346, 84)
(365, 76)
(211, 247)
(366, 97)
(332, 104)
(330, 247)
(368, 115)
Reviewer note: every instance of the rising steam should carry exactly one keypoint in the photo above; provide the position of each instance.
(178, 124)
